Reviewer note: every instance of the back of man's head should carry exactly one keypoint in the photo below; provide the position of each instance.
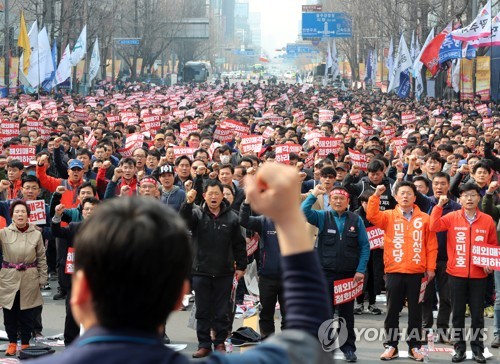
(135, 255)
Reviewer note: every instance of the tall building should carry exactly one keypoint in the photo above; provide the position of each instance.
(254, 21)
(228, 19)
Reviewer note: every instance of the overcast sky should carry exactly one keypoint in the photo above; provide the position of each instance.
(280, 21)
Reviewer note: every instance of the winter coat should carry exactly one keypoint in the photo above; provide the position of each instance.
(22, 247)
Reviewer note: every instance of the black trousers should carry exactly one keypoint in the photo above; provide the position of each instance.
(345, 310)
(444, 312)
(51, 253)
(400, 286)
(270, 291)
(62, 253)
(71, 328)
(15, 319)
(212, 295)
(374, 272)
(37, 317)
(463, 291)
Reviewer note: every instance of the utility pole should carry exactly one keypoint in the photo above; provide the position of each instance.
(86, 69)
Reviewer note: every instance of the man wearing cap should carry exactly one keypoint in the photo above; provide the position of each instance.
(343, 251)
(171, 195)
(75, 179)
(159, 144)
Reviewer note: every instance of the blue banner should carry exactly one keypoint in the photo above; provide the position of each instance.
(404, 84)
(450, 49)
(47, 84)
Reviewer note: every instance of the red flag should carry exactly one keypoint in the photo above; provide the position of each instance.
(430, 56)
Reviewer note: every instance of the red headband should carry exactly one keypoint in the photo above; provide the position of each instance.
(148, 180)
(339, 192)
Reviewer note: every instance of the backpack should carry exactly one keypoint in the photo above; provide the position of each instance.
(245, 336)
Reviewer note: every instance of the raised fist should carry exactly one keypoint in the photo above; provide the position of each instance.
(190, 196)
(60, 189)
(380, 190)
(443, 200)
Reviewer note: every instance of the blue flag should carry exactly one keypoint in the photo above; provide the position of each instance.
(404, 84)
(470, 51)
(47, 84)
(450, 49)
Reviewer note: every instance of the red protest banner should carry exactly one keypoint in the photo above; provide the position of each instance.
(345, 290)
(283, 152)
(132, 142)
(22, 152)
(486, 256)
(375, 237)
(358, 159)
(223, 135)
(487, 123)
(252, 244)
(151, 122)
(179, 151)
(356, 118)
(239, 128)
(366, 131)
(325, 115)
(456, 119)
(188, 127)
(389, 132)
(112, 119)
(309, 161)
(408, 118)
(251, 143)
(37, 212)
(482, 109)
(329, 145)
(268, 132)
(9, 130)
(69, 267)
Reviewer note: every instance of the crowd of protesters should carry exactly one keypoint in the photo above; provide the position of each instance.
(424, 171)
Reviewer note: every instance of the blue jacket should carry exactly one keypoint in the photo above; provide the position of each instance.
(270, 255)
(318, 218)
(173, 198)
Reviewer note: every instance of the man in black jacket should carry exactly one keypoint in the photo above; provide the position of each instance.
(71, 329)
(218, 246)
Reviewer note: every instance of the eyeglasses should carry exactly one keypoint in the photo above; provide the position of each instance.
(465, 196)
(31, 188)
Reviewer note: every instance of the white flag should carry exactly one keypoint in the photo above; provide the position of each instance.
(455, 75)
(417, 65)
(41, 67)
(374, 67)
(95, 61)
(80, 48)
(402, 63)
(328, 63)
(413, 53)
(64, 68)
(389, 62)
(494, 38)
(335, 61)
(479, 28)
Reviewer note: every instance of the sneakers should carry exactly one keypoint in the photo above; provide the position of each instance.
(416, 354)
(11, 349)
(374, 310)
(358, 308)
(390, 353)
(46, 287)
(489, 312)
(25, 346)
(350, 357)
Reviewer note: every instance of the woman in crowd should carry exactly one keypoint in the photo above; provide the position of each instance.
(24, 271)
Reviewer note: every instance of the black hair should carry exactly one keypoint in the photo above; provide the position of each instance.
(15, 163)
(181, 158)
(375, 165)
(86, 184)
(405, 184)
(126, 242)
(365, 195)
(469, 187)
(16, 203)
(213, 183)
(423, 179)
(91, 200)
(128, 160)
(442, 175)
(328, 170)
(30, 178)
(481, 164)
(227, 165)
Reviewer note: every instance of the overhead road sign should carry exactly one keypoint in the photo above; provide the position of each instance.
(128, 41)
(326, 25)
(294, 49)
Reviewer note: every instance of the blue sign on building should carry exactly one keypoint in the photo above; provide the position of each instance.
(326, 25)
(135, 41)
(294, 49)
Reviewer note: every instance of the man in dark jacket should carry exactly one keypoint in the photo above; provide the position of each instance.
(171, 195)
(270, 282)
(217, 244)
(71, 329)
(440, 187)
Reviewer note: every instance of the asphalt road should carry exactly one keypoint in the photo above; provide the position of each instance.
(369, 327)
